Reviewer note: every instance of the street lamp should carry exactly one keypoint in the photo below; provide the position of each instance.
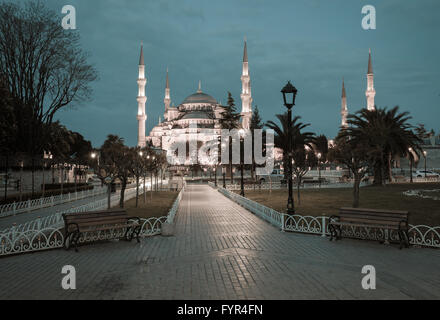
(319, 168)
(241, 132)
(424, 154)
(410, 165)
(289, 94)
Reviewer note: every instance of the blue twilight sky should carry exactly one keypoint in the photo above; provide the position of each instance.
(313, 43)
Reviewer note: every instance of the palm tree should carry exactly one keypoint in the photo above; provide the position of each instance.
(386, 133)
(299, 138)
(300, 141)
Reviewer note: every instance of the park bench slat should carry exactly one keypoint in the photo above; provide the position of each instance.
(370, 218)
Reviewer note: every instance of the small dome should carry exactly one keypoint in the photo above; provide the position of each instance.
(199, 97)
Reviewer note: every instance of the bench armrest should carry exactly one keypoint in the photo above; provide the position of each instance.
(403, 225)
(134, 218)
(71, 224)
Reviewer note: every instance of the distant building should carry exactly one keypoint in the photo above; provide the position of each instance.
(199, 109)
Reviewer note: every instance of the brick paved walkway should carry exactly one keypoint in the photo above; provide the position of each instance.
(221, 251)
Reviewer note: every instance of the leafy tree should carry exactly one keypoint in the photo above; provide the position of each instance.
(256, 123)
(354, 155)
(230, 119)
(105, 164)
(303, 159)
(139, 167)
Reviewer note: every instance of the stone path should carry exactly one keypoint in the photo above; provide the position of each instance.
(222, 251)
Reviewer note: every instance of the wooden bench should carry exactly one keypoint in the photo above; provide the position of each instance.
(76, 224)
(370, 218)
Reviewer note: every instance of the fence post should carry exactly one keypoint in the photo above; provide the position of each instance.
(323, 225)
(51, 201)
(29, 205)
(14, 205)
(13, 232)
(39, 223)
(282, 222)
(41, 203)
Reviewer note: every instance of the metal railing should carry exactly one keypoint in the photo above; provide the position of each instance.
(14, 208)
(44, 235)
(419, 235)
(175, 207)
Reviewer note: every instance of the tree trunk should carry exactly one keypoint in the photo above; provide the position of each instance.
(378, 174)
(109, 191)
(33, 176)
(231, 173)
(151, 185)
(145, 190)
(62, 178)
(74, 177)
(390, 172)
(137, 190)
(123, 186)
(356, 184)
(43, 187)
(6, 177)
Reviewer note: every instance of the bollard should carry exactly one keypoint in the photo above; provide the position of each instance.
(323, 226)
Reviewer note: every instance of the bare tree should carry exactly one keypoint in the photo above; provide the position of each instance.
(43, 66)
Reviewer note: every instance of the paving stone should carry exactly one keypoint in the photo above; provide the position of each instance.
(222, 251)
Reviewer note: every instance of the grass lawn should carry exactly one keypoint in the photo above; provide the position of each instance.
(157, 206)
(315, 202)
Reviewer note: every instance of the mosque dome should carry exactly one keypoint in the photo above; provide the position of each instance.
(199, 97)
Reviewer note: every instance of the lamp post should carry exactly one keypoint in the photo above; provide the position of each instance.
(241, 131)
(410, 165)
(424, 154)
(289, 94)
(319, 168)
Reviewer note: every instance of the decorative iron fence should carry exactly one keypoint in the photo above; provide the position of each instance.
(270, 215)
(419, 235)
(56, 219)
(175, 207)
(14, 208)
(278, 185)
(37, 236)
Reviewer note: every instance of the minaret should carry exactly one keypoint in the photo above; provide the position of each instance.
(167, 99)
(344, 109)
(370, 92)
(141, 99)
(246, 97)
